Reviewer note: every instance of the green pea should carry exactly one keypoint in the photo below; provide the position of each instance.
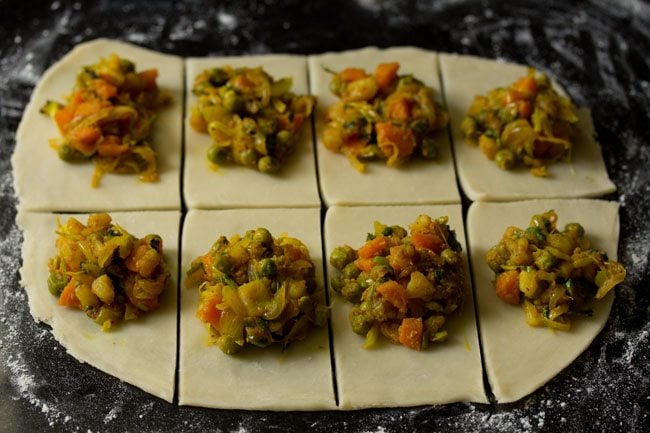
(337, 283)
(505, 159)
(56, 282)
(350, 271)
(428, 148)
(352, 291)
(283, 136)
(305, 304)
(398, 231)
(70, 154)
(218, 77)
(575, 228)
(127, 65)
(248, 157)
(228, 345)
(263, 236)
(360, 321)
(232, 102)
(449, 256)
(268, 268)
(268, 164)
(222, 263)
(341, 256)
(545, 261)
(217, 155)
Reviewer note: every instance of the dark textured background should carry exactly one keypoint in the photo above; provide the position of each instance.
(598, 50)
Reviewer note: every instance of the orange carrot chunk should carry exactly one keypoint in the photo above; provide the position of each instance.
(148, 78)
(410, 333)
(507, 287)
(395, 294)
(67, 297)
(391, 137)
(352, 74)
(208, 311)
(373, 247)
(385, 74)
(430, 241)
(527, 86)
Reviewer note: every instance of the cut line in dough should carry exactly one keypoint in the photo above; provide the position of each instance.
(141, 352)
(233, 186)
(519, 358)
(391, 375)
(416, 182)
(264, 379)
(46, 183)
(465, 77)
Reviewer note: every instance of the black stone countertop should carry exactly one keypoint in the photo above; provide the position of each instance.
(598, 50)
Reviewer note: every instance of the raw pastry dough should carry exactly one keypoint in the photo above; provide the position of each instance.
(141, 352)
(390, 375)
(46, 183)
(463, 78)
(418, 181)
(519, 358)
(300, 378)
(233, 186)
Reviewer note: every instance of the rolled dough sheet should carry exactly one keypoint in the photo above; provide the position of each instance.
(140, 352)
(391, 375)
(233, 186)
(267, 379)
(419, 180)
(50, 184)
(520, 358)
(463, 78)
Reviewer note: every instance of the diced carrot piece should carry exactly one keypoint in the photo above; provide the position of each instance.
(385, 74)
(111, 146)
(207, 260)
(352, 74)
(241, 83)
(148, 78)
(410, 333)
(391, 136)
(527, 86)
(373, 247)
(104, 88)
(84, 138)
(67, 297)
(400, 109)
(87, 108)
(507, 287)
(365, 265)
(430, 241)
(208, 311)
(525, 108)
(63, 117)
(512, 95)
(395, 294)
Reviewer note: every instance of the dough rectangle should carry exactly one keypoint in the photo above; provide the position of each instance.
(141, 352)
(465, 77)
(266, 379)
(233, 186)
(418, 180)
(520, 358)
(391, 375)
(46, 183)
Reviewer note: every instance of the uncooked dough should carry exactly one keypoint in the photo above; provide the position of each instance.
(266, 379)
(465, 77)
(520, 358)
(391, 375)
(233, 186)
(140, 352)
(46, 183)
(418, 180)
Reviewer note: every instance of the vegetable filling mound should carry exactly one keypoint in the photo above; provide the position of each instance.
(526, 124)
(103, 270)
(257, 290)
(108, 119)
(404, 287)
(254, 120)
(554, 274)
(382, 116)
